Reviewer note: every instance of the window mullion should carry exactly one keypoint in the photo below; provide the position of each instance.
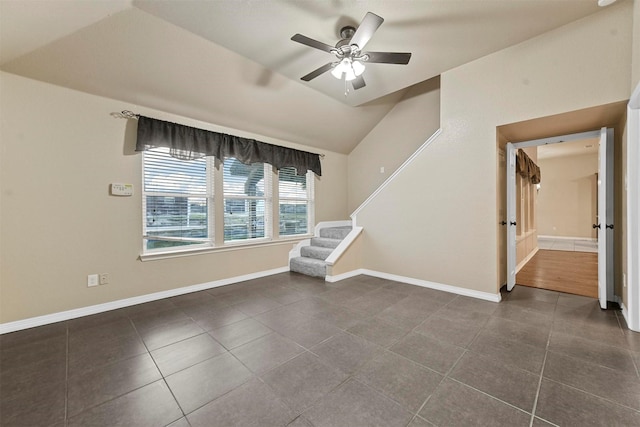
(218, 203)
(275, 205)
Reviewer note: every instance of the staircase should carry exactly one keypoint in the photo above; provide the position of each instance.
(312, 260)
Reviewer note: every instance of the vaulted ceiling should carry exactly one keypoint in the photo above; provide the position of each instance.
(232, 63)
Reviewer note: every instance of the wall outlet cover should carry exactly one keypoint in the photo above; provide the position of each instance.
(92, 280)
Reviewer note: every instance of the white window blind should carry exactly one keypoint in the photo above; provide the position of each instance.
(295, 202)
(178, 201)
(177, 204)
(247, 200)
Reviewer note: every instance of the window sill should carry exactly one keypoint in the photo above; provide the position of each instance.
(153, 256)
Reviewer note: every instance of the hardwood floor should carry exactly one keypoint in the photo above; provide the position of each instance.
(570, 272)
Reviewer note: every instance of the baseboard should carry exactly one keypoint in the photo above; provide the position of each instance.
(113, 305)
(526, 260)
(588, 239)
(348, 274)
(418, 282)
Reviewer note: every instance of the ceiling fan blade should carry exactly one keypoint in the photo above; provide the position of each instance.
(358, 83)
(388, 57)
(315, 73)
(312, 43)
(365, 30)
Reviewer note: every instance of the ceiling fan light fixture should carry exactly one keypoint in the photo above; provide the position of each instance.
(349, 68)
(358, 67)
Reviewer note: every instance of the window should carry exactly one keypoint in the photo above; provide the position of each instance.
(247, 200)
(183, 199)
(295, 202)
(176, 201)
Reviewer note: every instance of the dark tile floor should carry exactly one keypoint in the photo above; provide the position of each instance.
(291, 350)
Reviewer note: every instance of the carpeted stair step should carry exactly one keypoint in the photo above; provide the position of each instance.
(335, 232)
(325, 242)
(309, 266)
(316, 252)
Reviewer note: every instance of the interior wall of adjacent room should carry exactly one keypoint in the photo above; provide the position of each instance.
(60, 150)
(437, 221)
(567, 199)
(396, 137)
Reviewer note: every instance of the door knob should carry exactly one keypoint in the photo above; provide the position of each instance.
(595, 226)
(503, 222)
(513, 223)
(609, 226)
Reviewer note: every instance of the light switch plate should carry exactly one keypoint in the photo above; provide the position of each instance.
(119, 189)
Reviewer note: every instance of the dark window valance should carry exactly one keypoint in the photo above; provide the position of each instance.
(527, 167)
(188, 143)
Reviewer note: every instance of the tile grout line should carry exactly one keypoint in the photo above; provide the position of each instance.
(594, 395)
(544, 362)
(159, 371)
(446, 375)
(444, 378)
(535, 401)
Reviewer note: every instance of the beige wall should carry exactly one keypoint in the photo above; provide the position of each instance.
(438, 220)
(60, 151)
(351, 260)
(567, 200)
(405, 128)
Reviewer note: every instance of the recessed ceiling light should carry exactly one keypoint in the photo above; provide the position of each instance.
(603, 3)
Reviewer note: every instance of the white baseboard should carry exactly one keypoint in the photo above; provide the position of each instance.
(113, 305)
(348, 274)
(588, 239)
(418, 282)
(526, 260)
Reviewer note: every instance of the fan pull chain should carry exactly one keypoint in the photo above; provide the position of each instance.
(346, 88)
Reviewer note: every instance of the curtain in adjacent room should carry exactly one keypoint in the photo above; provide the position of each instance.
(188, 143)
(527, 167)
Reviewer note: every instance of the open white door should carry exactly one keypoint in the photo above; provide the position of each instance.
(601, 221)
(605, 206)
(511, 216)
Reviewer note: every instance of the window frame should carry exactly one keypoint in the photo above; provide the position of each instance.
(215, 198)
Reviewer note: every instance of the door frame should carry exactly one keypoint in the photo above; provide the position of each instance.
(631, 310)
(510, 188)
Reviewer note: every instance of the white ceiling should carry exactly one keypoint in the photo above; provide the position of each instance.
(569, 149)
(232, 63)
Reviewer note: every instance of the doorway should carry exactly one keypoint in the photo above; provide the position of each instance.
(563, 247)
(624, 117)
(605, 203)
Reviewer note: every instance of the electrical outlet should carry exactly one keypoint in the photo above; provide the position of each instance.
(104, 278)
(92, 280)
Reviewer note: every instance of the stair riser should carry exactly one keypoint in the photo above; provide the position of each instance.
(324, 242)
(315, 252)
(310, 270)
(335, 232)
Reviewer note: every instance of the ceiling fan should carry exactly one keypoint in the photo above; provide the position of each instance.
(349, 52)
